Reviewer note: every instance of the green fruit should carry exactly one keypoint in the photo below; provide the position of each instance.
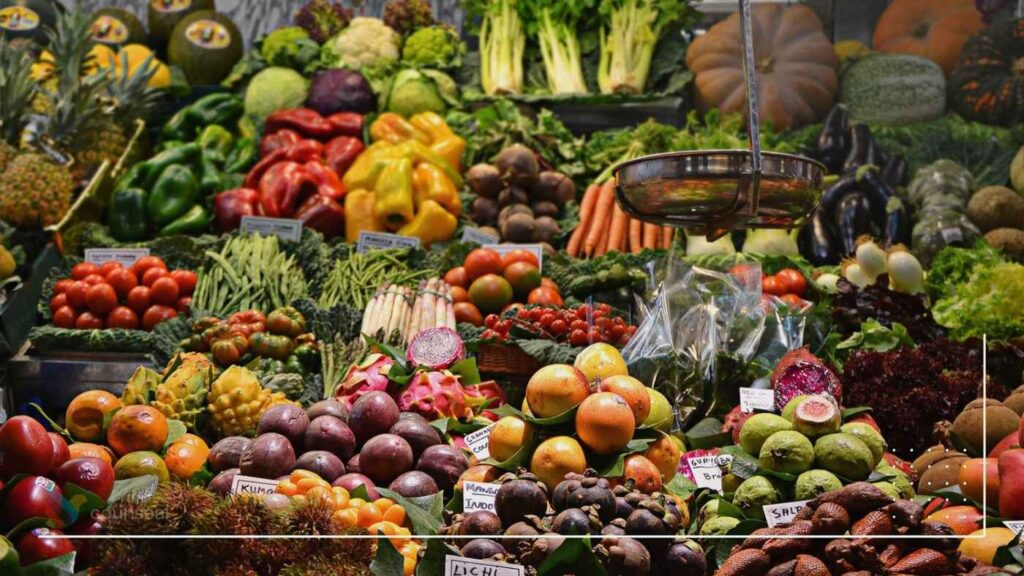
(730, 482)
(812, 483)
(869, 436)
(116, 27)
(898, 479)
(755, 493)
(490, 293)
(816, 416)
(787, 451)
(205, 45)
(889, 489)
(844, 455)
(708, 511)
(135, 464)
(790, 407)
(758, 428)
(719, 525)
(163, 15)
(660, 416)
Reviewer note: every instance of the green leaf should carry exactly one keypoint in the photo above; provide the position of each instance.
(432, 562)
(387, 561)
(175, 429)
(202, 476)
(723, 548)
(361, 493)
(548, 352)
(80, 503)
(574, 556)
(140, 488)
(424, 512)
(455, 504)
(707, 434)
(63, 565)
(57, 427)
(518, 460)
(681, 486)
(394, 353)
(567, 416)
(29, 524)
(849, 413)
(467, 370)
(727, 508)
(612, 466)
(743, 465)
(784, 476)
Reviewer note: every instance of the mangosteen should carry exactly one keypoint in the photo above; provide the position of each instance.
(518, 165)
(643, 522)
(484, 180)
(519, 228)
(512, 196)
(517, 534)
(622, 508)
(544, 208)
(484, 210)
(623, 556)
(574, 521)
(519, 498)
(418, 433)
(322, 463)
(546, 229)
(540, 550)
(614, 529)
(480, 523)
(413, 484)
(444, 464)
(329, 407)
(483, 549)
(589, 490)
(685, 559)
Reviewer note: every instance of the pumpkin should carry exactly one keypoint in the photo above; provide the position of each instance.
(796, 66)
(988, 82)
(933, 29)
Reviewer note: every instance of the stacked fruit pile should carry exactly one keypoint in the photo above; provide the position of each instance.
(491, 283)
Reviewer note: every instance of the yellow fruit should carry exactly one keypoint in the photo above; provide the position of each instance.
(136, 55)
(7, 264)
(182, 393)
(556, 457)
(184, 460)
(84, 416)
(236, 401)
(43, 67)
(100, 57)
(508, 436)
(601, 361)
(983, 544)
(632, 391)
(141, 463)
(161, 78)
(556, 388)
(665, 453)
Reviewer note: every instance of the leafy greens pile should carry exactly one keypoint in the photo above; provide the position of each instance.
(978, 293)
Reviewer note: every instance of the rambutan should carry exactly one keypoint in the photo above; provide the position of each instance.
(179, 505)
(327, 566)
(241, 516)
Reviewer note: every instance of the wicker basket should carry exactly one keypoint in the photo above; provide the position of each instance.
(505, 360)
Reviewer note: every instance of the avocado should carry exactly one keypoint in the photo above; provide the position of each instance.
(205, 45)
(163, 15)
(27, 18)
(116, 27)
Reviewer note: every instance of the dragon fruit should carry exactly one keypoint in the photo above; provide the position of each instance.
(490, 393)
(734, 422)
(362, 377)
(436, 395)
(800, 372)
(436, 348)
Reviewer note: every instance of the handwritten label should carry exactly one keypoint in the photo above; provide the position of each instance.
(458, 566)
(776, 514)
(126, 256)
(752, 399)
(471, 234)
(707, 470)
(380, 240)
(478, 496)
(537, 250)
(252, 485)
(284, 228)
(479, 442)
(1016, 526)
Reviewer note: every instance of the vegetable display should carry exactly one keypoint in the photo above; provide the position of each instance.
(248, 273)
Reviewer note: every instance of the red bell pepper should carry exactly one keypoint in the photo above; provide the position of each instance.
(327, 181)
(229, 207)
(306, 122)
(252, 179)
(346, 124)
(341, 153)
(322, 214)
(280, 139)
(283, 187)
(304, 151)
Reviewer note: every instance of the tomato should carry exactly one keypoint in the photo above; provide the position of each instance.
(65, 317)
(491, 320)
(183, 304)
(83, 269)
(101, 298)
(152, 275)
(164, 290)
(145, 263)
(186, 280)
(578, 338)
(108, 266)
(793, 281)
(76, 294)
(544, 295)
(157, 314)
(468, 313)
(122, 281)
(88, 321)
(548, 282)
(772, 285)
(57, 302)
(794, 301)
(138, 299)
(94, 279)
(61, 286)
(559, 327)
(457, 277)
(481, 262)
(123, 317)
(518, 255)
(741, 270)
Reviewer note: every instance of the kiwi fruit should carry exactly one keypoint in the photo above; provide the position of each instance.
(983, 423)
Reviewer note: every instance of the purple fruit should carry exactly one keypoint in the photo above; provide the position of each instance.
(374, 413)
(221, 483)
(444, 464)
(226, 453)
(351, 481)
(418, 433)
(287, 420)
(329, 407)
(685, 560)
(385, 458)
(269, 456)
(413, 484)
(480, 523)
(483, 549)
(323, 463)
(330, 434)
(353, 464)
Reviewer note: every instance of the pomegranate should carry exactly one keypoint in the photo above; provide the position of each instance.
(31, 497)
(39, 545)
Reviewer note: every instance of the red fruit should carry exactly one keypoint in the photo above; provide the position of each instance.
(152, 275)
(481, 262)
(549, 283)
(459, 294)
(145, 263)
(58, 301)
(100, 298)
(866, 419)
(62, 285)
(86, 549)
(734, 422)
(519, 255)
(76, 294)
(186, 280)
(544, 295)
(935, 505)
(32, 497)
(467, 312)
(88, 321)
(123, 317)
(60, 453)
(94, 279)
(92, 474)
(64, 317)
(164, 291)
(157, 314)
(772, 285)
(183, 304)
(35, 546)
(793, 282)
(139, 299)
(83, 269)
(106, 267)
(122, 281)
(901, 465)
(1012, 440)
(1011, 484)
(457, 277)
(800, 372)
(25, 448)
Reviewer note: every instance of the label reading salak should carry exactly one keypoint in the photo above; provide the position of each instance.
(776, 514)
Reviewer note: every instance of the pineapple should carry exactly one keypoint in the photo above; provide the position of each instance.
(35, 191)
(17, 90)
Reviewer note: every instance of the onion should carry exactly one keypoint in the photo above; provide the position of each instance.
(828, 282)
(871, 258)
(905, 271)
(853, 273)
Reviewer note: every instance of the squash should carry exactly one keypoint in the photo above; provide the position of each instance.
(796, 66)
(988, 82)
(933, 29)
(894, 89)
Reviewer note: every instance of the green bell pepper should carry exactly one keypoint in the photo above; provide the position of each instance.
(216, 141)
(152, 169)
(169, 144)
(173, 194)
(127, 219)
(132, 178)
(211, 179)
(191, 223)
(221, 108)
(242, 157)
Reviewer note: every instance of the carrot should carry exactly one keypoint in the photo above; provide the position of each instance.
(651, 235)
(617, 232)
(602, 216)
(635, 233)
(604, 242)
(666, 236)
(586, 214)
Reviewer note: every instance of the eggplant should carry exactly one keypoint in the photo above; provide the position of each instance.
(896, 171)
(853, 219)
(863, 149)
(887, 208)
(830, 199)
(834, 138)
(816, 240)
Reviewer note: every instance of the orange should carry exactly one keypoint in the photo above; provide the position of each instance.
(184, 460)
(556, 457)
(555, 389)
(508, 436)
(645, 475)
(481, 262)
(979, 477)
(479, 473)
(632, 391)
(193, 440)
(665, 454)
(85, 449)
(369, 514)
(137, 428)
(983, 544)
(962, 519)
(84, 416)
(605, 423)
(395, 514)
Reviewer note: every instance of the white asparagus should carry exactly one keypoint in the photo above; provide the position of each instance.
(403, 320)
(387, 309)
(431, 307)
(426, 309)
(369, 315)
(451, 315)
(444, 296)
(381, 296)
(417, 313)
(396, 315)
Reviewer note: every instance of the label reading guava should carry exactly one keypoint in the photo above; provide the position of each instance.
(18, 19)
(110, 30)
(169, 6)
(707, 470)
(208, 34)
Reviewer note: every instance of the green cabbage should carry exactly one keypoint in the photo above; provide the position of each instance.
(413, 91)
(275, 89)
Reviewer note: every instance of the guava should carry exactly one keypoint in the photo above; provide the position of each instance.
(708, 511)
(790, 407)
(898, 479)
(758, 428)
(815, 482)
(815, 416)
(869, 436)
(718, 525)
(755, 493)
(844, 455)
(787, 451)
(889, 488)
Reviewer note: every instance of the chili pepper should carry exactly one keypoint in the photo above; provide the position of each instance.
(252, 179)
(395, 205)
(283, 187)
(360, 215)
(153, 168)
(442, 140)
(346, 124)
(327, 182)
(281, 139)
(323, 214)
(341, 152)
(216, 141)
(834, 138)
(307, 355)
(432, 224)
(391, 127)
(430, 183)
(816, 242)
(308, 123)
(367, 168)
(295, 366)
(229, 207)
(304, 151)
(270, 346)
(191, 223)
(211, 179)
(127, 218)
(286, 321)
(174, 192)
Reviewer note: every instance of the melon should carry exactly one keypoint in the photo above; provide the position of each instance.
(116, 27)
(205, 45)
(163, 15)
(894, 89)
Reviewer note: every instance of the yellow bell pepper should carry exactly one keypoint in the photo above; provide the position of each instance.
(432, 224)
(394, 198)
(442, 139)
(390, 127)
(430, 183)
(360, 215)
(420, 152)
(367, 168)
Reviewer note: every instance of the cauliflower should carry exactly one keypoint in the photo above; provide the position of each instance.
(434, 46)
(286, 46)
(366, 42)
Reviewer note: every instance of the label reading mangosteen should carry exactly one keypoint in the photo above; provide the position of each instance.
(537, 249)
(478, 496)
(170, 5)
(752, 399)
(208, 34)
(1016, 526)
(707, 470)
(381, 240)
(252, 485)
(479, 442)
(459, 566)
(471, 234)
(18, 19)
(776, 514)
(126, 256)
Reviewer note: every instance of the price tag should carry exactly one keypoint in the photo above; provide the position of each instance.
(951, 235)
(479, 442)
(707, 470)
(459, 566)
(478, 496)
(126, 256)
(252, 485)
(776, 514)
(380, 240)
(284, 228)
(471, 234)
(1016, 526)
(752, 399)
(503, 249)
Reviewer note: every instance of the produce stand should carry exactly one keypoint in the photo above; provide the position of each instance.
(18, 313)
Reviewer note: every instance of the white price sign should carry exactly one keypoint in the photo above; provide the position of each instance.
(478, 496)
(252, 485)
(1016, 526)
(459, 566)
(126, 256)
(708, 470)
(471, 234)
(479, 442)
(284, 228)
(776, 514)
(752, 399)
(380, 240)
(537, 250)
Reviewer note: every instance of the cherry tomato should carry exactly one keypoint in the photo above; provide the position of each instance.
(793, 281)
(61, 286)
(559, 327)
(152, 275)
(108, 266)
(123, 317)
(82, 269)
(794, 301)
(65, 317)
(491, 320)
(138, 299)
(163, 290)
(183, 304)
(101, 298)
(544, 295)
(157, 314)
(772, 285)
(122, 281)
(186, 280)
(94, 279)
(88, 321)
(546, 319)
(579, 325)
(58, 301)
(145, 263)
(578, 338)
(76, 294)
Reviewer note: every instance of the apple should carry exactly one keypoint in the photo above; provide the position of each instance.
(86, 548)
(37, 545)
(33, 496)
(92, 474)
(25, 448)
(60, 452)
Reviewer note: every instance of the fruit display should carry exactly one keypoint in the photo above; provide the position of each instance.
(399, 314)
(489, 282)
